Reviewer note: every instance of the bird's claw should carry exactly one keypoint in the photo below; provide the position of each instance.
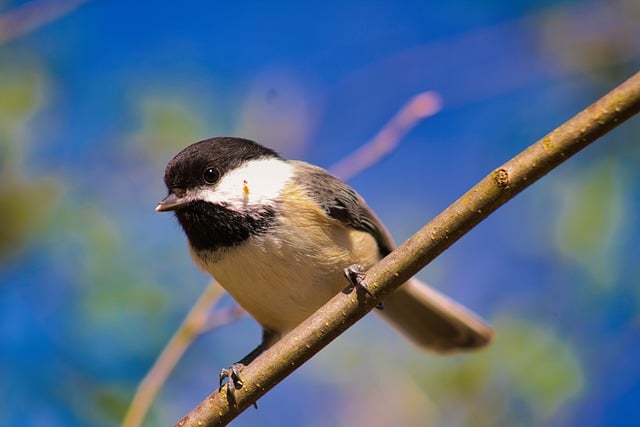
(234, 382)
(354, 274)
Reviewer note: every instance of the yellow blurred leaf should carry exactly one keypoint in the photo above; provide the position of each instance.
(168, 125)
(22, 91)
(541, 367)
(25, 207)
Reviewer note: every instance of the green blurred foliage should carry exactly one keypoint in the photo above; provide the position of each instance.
(539, 365)
(22, 86)
(109, 298)
(94, 401)
(26, 200)
(25, 210)
(114, 288)
(525, 377)
(593, 210)
(166, 122)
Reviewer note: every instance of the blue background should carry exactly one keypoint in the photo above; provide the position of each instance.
(94, 282)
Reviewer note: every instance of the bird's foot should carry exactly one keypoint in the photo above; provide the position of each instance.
(234, 382)
(354, 274)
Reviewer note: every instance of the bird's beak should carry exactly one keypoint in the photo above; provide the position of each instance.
(171, 203)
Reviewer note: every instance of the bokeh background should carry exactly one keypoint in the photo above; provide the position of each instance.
(97, 98)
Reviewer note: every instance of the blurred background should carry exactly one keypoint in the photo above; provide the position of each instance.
(96, 96)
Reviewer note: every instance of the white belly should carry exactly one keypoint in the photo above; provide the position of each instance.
(280, 280)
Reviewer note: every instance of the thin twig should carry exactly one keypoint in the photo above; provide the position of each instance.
(222, 317)
(193, 324)
(416, 109)
(345, 309)
(30, 16)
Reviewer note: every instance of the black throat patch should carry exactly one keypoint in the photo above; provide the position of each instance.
(210, 226)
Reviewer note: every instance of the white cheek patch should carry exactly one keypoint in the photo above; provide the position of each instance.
(256, 183)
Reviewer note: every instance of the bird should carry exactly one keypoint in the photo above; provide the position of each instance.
(284, 236)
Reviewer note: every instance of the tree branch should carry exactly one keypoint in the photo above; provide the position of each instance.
(383, 278)
(30, 16)
(419, 107)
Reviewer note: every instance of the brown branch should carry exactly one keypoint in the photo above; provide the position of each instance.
(194, 323)
(30, 16)
(419, 107)
(346, 308)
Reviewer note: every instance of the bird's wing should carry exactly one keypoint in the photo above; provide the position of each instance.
(427, 317)
(343, 203)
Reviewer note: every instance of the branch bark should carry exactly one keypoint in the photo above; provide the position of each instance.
(493, 191)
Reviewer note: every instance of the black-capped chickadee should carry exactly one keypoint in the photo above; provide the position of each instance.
(278, 235)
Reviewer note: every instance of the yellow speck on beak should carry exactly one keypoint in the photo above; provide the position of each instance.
(245, 188)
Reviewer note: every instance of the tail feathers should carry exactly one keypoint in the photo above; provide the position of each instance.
(434, 321)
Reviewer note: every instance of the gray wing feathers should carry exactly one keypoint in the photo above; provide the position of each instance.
(341, 202)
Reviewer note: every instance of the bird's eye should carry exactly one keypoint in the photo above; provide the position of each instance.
(211, 175)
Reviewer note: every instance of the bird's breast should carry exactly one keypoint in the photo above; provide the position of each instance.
(283, 276)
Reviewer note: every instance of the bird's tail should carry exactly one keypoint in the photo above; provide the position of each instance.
(433, 321)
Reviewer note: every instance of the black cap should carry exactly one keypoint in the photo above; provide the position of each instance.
(224, 153)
